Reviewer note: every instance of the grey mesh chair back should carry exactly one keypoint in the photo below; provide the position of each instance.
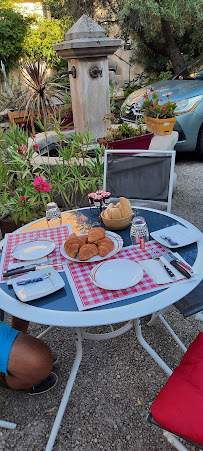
(144, 177)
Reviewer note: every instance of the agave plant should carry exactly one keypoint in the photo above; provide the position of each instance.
(41, 94)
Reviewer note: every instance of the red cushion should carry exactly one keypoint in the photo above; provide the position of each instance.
(179, 405)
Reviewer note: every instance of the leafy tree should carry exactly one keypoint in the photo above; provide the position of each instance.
(13, 29)
(164, 28)
(162, 24)
(73, 8)
(40, 41)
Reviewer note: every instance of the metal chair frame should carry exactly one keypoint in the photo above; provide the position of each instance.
(137, 154)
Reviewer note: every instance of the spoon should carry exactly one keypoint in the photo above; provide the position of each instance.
(36, 279)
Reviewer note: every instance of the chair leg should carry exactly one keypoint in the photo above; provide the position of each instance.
(173, 440)
(199, 316)
(6, 424)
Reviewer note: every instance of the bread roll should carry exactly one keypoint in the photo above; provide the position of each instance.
(116, 213)
(125, 207)
(105, 214)
(95, 234)
(105, 246)
(82, 239)
(108, 210)
(72, 245)
(87, 251)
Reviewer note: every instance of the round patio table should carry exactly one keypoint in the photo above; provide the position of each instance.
(61, 310)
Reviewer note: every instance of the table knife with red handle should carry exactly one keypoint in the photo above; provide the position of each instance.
(175, 263)
(17, 271)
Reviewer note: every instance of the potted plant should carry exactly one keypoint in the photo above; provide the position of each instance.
(159, 117)
(124, 136)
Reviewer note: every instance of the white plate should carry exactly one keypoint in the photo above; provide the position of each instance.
(116, 274)
(118, 244)
(38, 290)
(177, 233)
(30, 250)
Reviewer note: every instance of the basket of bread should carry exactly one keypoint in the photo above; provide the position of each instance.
(117, 217)
(97, 244)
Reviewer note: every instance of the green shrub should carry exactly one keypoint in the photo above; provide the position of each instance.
(40, 41)
(13, 29)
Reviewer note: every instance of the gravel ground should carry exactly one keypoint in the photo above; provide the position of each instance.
(117, 380)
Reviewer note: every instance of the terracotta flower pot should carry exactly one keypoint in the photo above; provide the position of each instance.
(137, 142)
(160, 126)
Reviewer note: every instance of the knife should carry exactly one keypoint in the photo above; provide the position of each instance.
(181, 263)
(175, 263)
(24, 270)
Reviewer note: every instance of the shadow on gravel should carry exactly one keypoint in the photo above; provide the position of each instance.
(186, 156)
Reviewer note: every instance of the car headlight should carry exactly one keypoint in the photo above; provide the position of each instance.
(187, 105)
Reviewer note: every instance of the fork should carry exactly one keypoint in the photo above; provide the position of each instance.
(155, 256)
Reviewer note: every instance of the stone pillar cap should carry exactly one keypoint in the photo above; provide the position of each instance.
(86, 39)
(85, 28)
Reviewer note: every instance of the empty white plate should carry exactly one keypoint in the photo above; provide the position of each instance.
(30, 250)
(116, 274)
(179, 234)
(40, 289)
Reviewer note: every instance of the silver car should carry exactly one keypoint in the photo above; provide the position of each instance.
(186, 89)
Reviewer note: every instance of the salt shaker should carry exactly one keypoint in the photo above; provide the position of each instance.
(138, 230)
(53, 215)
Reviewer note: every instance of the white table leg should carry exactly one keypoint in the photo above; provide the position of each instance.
(67, 391)
(144, 344)
(171, 331)
(45, 332)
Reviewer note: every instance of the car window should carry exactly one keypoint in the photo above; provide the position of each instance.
(192, 70)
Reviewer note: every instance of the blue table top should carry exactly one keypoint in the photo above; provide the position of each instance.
(63, 299)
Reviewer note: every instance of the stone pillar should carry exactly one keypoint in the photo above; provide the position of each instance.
(86, 48)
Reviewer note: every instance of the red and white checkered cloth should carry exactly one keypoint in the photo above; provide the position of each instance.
(58, 234)
(87, 295)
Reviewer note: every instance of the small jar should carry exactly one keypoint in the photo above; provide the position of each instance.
(138, 230)
(53, 215)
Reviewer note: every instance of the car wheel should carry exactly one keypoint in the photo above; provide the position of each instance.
(199, 147)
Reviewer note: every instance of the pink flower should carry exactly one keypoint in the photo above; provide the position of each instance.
(46, 187)
(164, 108)
(24, 147)
(161, 100)
(39, 180)
(151, 89)
(41, 184)
(22, 125)
(145, 96)
(35, 146)
(167, 95)
(23, 197)
(33, 137)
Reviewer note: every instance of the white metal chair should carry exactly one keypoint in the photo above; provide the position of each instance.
(145, 177)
